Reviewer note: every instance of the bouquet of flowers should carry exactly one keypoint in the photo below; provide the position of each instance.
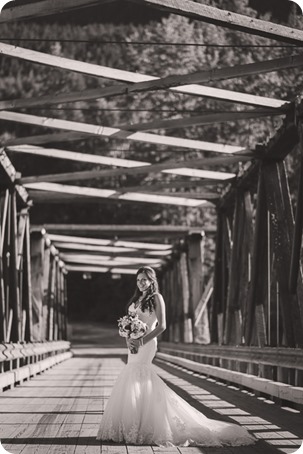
(132, 327)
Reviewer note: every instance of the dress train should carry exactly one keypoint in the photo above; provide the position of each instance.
(142, 409)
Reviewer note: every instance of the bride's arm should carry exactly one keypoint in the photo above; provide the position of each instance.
(160, 313)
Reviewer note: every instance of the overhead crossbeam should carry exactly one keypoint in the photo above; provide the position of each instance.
(206, 119)
(185, 168)
(112, 260)
(146, 83)
(109, 250)
(178, 184)
(41, 139)
(227, 19)
(99, 269)
(98, 93)
(41, 197)
(212, 75)
(149, 190)
(135, 79)
(181, 7)
(46, 8)
(201, 120)
(107, 193)
(75, 156)
(115, 133)
(99, 242)
(115, 230)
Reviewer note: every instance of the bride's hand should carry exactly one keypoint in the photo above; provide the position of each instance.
(134, 343)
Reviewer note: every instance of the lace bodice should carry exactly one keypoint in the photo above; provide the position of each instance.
(147, 317)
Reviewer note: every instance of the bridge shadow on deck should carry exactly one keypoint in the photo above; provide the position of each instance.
(59, 411)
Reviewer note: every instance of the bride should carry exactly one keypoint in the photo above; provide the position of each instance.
(142, 409)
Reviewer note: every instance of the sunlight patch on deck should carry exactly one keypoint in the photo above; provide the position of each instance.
(262, 429)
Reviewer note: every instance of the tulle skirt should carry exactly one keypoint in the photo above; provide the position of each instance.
(142, 409)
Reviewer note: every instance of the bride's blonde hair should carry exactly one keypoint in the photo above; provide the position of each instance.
(148, 300)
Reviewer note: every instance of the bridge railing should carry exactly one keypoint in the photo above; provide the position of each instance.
(276, 373)
(21, 361)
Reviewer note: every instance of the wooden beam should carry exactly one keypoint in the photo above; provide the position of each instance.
(7, 170)
(257, 287)
(101, 242)
(219, 290)
(28, 285)
(232, 328)
(93, 248)
(108, 260)
(115, 133)
(178, 184)
(113, 264)
(116, 90)
(134, 167)
(211, 75)
(110, 250)
(192, 195)
(202, 120)
(88, 69)
(118, 229)
(75, 156)
(44, 197)
(99, 269)
(278, 147)
(227, 19)
(14, 282)
(106, 193)
(3, 217)
(46, 8)
(56, 199)
(205, 298)
(282, 224)
(47, 138)
(184, 168)
(115, 74)
(8, 176)
(189, 168)
(196, 277)
(295, 261)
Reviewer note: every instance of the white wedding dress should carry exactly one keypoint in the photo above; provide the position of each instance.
(142, 409)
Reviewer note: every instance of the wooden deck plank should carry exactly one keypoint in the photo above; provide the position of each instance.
(87, 443)
(114, 448)
(131, 449)
(64, 419)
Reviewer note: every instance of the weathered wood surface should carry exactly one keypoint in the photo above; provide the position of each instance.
(106, 131)
(119, 229)
(98, 193)
(227, 19)
(60, 410)
(183, 7)
(115, 90)
(205, 119)
(191, 168)
(144, 82)
(45, 8)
